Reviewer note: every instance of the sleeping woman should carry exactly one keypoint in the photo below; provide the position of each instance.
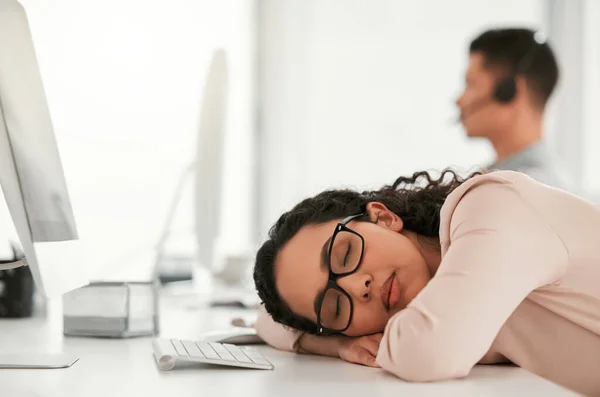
(427, 277)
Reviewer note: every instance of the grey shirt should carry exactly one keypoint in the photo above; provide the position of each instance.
(540, 163)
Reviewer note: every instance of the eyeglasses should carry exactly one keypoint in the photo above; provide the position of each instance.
(334, 307)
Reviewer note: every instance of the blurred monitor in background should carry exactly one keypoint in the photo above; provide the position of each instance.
(510, 77)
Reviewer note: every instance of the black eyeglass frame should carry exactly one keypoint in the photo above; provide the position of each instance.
(333, 277)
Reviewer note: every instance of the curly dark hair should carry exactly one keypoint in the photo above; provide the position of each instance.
(418, 204)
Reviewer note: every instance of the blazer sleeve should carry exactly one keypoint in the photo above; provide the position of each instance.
(500, 250)
(275, 334)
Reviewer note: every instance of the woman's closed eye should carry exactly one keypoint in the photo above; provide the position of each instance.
(347, 256)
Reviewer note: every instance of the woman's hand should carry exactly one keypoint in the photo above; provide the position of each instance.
(360, 350)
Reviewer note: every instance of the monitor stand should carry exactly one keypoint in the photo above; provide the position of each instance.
(33, 360)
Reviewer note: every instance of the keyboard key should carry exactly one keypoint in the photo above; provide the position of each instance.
(222, 352)
(207, 350)
(260, 360)
(238, 354)
(255, 356)
(249, 349)
(192, 349)
(219, 348)
(179, 347)
(252, 353)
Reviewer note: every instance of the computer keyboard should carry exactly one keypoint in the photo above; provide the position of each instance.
(169, 352)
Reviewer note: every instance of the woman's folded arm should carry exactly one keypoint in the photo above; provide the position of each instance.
(500, 251)
(275, 334)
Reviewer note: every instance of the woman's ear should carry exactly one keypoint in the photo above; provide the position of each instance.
(378, 213)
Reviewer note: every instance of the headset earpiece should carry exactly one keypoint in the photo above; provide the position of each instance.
(506, 90)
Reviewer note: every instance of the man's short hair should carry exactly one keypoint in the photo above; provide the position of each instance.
(504, 49)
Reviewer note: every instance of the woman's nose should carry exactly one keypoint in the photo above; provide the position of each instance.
(458, 101)
(358, 285)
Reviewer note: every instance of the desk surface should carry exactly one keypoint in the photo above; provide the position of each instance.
(126, 367)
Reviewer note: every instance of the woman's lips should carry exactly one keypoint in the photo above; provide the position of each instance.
(385, 291)
(390, 292)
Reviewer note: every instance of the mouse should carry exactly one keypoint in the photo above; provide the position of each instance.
(234, 336)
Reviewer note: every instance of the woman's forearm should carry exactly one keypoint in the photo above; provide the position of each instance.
(275, 334)
(321, 345)
(284, 339)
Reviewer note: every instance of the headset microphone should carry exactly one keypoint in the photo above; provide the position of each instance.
(474, 108)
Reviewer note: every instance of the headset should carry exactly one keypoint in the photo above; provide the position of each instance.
(505, 89)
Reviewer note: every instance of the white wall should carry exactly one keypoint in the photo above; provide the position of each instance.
(565, 30)
(575, 125)
(591, 124)
(358, 92)
(124, 80)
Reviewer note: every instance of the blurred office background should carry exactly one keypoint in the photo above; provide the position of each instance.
(323, 93)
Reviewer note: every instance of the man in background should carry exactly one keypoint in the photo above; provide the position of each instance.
(511, 75)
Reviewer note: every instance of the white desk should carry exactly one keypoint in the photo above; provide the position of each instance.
(126, 367)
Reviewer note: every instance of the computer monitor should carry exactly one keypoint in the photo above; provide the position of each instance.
(210, 160)
(206, 172)
(32, 178)
(31, 173)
